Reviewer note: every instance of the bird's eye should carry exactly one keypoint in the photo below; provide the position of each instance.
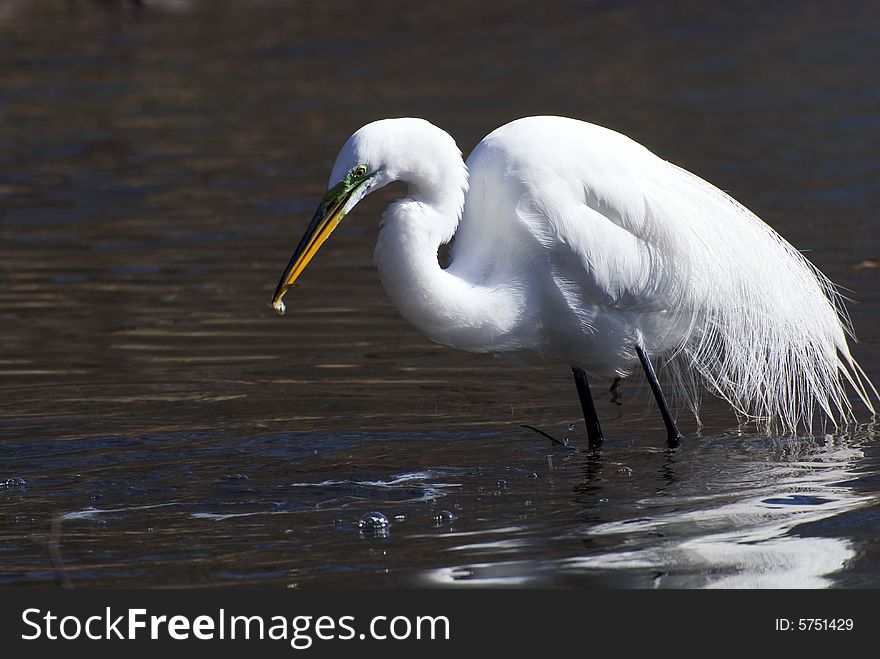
(360, 170)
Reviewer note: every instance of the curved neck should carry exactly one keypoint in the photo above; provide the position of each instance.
(447, 305)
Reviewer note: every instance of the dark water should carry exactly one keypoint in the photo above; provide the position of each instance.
(160, 426)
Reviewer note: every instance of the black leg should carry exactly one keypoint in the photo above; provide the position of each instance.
(673, 436)
(594, 430)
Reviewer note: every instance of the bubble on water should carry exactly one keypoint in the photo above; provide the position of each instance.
(373, 521)
(236, 477)
(462, 573)
(625, 471)
(444, 518)
(603, 500)
(12, 483)
(400, 518)
(570, 427)
(502, 484)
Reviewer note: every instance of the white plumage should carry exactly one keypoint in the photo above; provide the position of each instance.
(575, 243)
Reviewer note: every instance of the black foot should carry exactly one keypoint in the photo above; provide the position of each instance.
(615, 393)
(562, 442)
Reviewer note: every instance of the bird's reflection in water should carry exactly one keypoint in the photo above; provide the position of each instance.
(741, 533)
(720, 513)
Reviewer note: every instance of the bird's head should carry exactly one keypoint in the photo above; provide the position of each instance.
(412, 150)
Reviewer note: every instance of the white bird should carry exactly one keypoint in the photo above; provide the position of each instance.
(575, 243)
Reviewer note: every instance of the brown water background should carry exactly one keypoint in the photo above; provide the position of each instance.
(160, 426)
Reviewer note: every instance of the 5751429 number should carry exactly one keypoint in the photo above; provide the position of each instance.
(814, 624)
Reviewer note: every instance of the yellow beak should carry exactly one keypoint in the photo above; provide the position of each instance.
(327, 217)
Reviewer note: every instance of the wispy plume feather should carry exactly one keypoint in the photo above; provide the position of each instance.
(767, 330)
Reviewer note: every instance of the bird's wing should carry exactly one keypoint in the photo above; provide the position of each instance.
(592, 253)
(576, 195)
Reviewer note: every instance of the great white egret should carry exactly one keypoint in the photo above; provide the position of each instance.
(577, 244)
